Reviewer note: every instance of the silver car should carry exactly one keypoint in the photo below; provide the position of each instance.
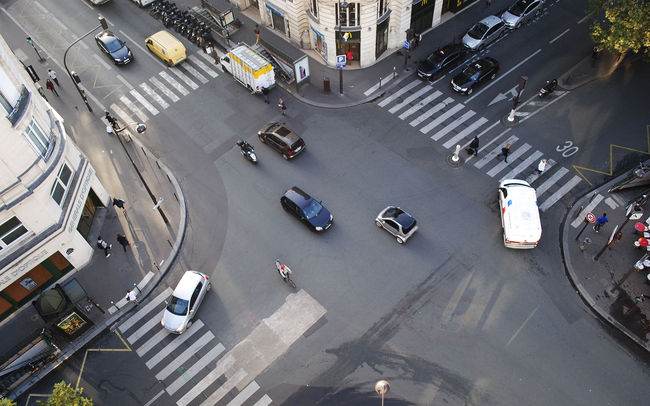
(520, 12)
(397, 222)
(185, 301)
(482, 33)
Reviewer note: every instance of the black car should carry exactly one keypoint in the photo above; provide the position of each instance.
(307, 209)
(441, 61)
(114, 47)
(474, 74)
(281, 139)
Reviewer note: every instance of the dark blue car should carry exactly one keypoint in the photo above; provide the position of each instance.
(114, 47)
(474, 74)
(306, 209)
(441, 61)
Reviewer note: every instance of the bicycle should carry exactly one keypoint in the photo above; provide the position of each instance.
(287, 279)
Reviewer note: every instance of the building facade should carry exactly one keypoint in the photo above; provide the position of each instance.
(363, 30)
(49, 192)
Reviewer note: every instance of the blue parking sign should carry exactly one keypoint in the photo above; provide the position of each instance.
(340, 61)
(407, 44)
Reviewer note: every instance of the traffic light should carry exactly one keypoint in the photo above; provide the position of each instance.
(75, 77)
(103, 22)
(410, 34)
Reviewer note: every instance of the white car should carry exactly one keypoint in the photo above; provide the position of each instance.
(397, 222)
(482, 33)
(185, 301)
(522, 227)
(521, 12)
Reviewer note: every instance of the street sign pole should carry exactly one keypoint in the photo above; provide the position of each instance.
(589, 218)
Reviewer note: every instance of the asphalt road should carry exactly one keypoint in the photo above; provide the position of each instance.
(451, 317)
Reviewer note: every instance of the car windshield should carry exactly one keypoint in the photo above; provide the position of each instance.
(436, 57)
(478, 31)
(518, 8)
(312, 209)
(113, 44)
(178, 306)
(472, 71)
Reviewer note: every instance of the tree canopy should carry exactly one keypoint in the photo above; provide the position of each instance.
(65, 395)
(621, 26)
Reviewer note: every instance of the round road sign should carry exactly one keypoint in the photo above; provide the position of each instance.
(590, 217)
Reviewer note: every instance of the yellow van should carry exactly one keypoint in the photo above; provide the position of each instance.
(167, 47)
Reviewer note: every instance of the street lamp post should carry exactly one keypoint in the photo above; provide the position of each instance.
(30, 41)
(342, 6)
(75, 79)
(382, 387)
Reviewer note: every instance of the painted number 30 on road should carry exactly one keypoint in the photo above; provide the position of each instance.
(567, 149)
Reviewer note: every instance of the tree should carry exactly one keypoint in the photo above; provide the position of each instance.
(621, 26)
(65, 395)
(7, 402)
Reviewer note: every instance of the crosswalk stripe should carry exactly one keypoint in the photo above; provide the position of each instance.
(184, 78)
(225, 363)
(399, 92)
(205, 56)
(144, 102)
(180, 88)
(152, 93)
(117, 111)
(531, 160)
(490, 155)
(453, 125)
(244, 394)
(438, 120)
(551, 181)
(534, 176)
(160, 355)
(421, 104)
(431, 111)
(205, 67)
(144, 310)
(461, 135)
(195, 73)
(588, 209)
(425, 89)
(232, 381)
(150, 343)
(453, 302)
(512, 155)
(264, 401)
(191, 351)
(171, 95)
(382, 82)
(148, 325)
(552, 199)
(134, 109)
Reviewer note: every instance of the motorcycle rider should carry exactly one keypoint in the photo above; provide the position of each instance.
(244, 145)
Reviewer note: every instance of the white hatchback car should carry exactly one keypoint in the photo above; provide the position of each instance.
(485, 31)
(522, 227)
(185, 301)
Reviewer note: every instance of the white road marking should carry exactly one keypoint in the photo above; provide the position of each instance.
(441, 118)
(512, 155)
(264, 401)
(174, 83)
(189, 352)
(184, 78)
(126, 83)
(495, 151)
(171, 346)
(453, 125)
(531, 160)
(126, 118)
(470, 129)
(136, 317)
(144, 102)
(382, 82)
(420, 104)
(164, 89)
(431, 111)
(195, 73)
(534, 176)
(399, 92)
(409, 99)
(551, 181)
(102, 62)
(203, 66)
(150, 343)
(224, 363)
(137, 44)
(40, 6)
(155, 96)
(455, 299)
(134, 109)
(244, 394)
(560, 192)
(522, 326)
(148, 325)
(611, 203)
(217, 395)
(153, 399)
(559, 36)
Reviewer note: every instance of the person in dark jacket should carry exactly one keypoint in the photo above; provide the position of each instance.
(473, 147)
(504, 152)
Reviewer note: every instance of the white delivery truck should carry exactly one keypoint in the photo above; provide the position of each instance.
(249, 68)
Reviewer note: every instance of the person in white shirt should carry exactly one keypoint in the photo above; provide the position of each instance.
(52, 76)
(540, 167)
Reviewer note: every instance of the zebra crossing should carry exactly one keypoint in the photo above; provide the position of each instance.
(217, 375)
(445, 120)
(150, 97)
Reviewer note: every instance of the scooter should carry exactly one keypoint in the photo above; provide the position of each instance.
(247, 151)
(548, 88)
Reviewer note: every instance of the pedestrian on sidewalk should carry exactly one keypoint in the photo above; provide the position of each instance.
(265, 92)
(119, 203)
(256, 30)
(50, 86)
(504, 153)
(111, 120)
(123, 241)
(473, 147)
(540, 167)
(52, 75)
(282, 106)
(101, 244)
(132, 297)
(600, 221)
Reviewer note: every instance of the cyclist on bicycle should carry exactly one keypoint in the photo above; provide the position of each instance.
(284, 271)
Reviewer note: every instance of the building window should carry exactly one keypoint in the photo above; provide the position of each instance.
(313, 7)
(10, 231)
(37, 138)
(348, 16)
(382, 7)
(61, 184)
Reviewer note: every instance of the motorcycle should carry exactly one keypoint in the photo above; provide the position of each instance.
(247, 151)
(548, 88)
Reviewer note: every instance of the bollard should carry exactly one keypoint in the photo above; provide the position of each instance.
(456, 154)
(585, 243)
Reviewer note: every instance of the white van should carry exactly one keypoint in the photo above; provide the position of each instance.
(522, 227)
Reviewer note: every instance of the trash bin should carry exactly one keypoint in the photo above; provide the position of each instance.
(326, 85)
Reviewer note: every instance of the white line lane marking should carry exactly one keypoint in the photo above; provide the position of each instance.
(150, 343)
(203, 66)
(40, 6)
(126, 83)
(222, 366)
(559, 36)
(534, 176)
(438, 120)
(522, 326)
(164, 89)
(431, 111)
(409, 99)
(264, 401)
(495, 151)
(144, 102)
(152, 93)
(117, 110)
(492, 83)
(143, 49)
(215, 397)
(399, 92)
(611, 203)
(196, 326)
(460, 120)
(455, 299)
(560, 192)
(185, 355)
(195, 73)
(532, 159)
(174, 83)
(471, 128)
(513, 155)
(130, 322)
(134, 109)
(420, 104)
(153, 399)
(148, 325)
(57, 21)
(184, 78)
(544, 106)
(551, 181)
(244, 394)
(382, 82)
(102, 62)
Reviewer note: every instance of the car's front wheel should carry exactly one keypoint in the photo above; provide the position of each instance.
(400, 240)
(285, 156)
(469, 91)
(494, 75)
(262, 139)
(209, 287)
(378, 223)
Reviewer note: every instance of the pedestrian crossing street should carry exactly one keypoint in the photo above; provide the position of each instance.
(196, 369)
(169, 86)
(451, 123)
